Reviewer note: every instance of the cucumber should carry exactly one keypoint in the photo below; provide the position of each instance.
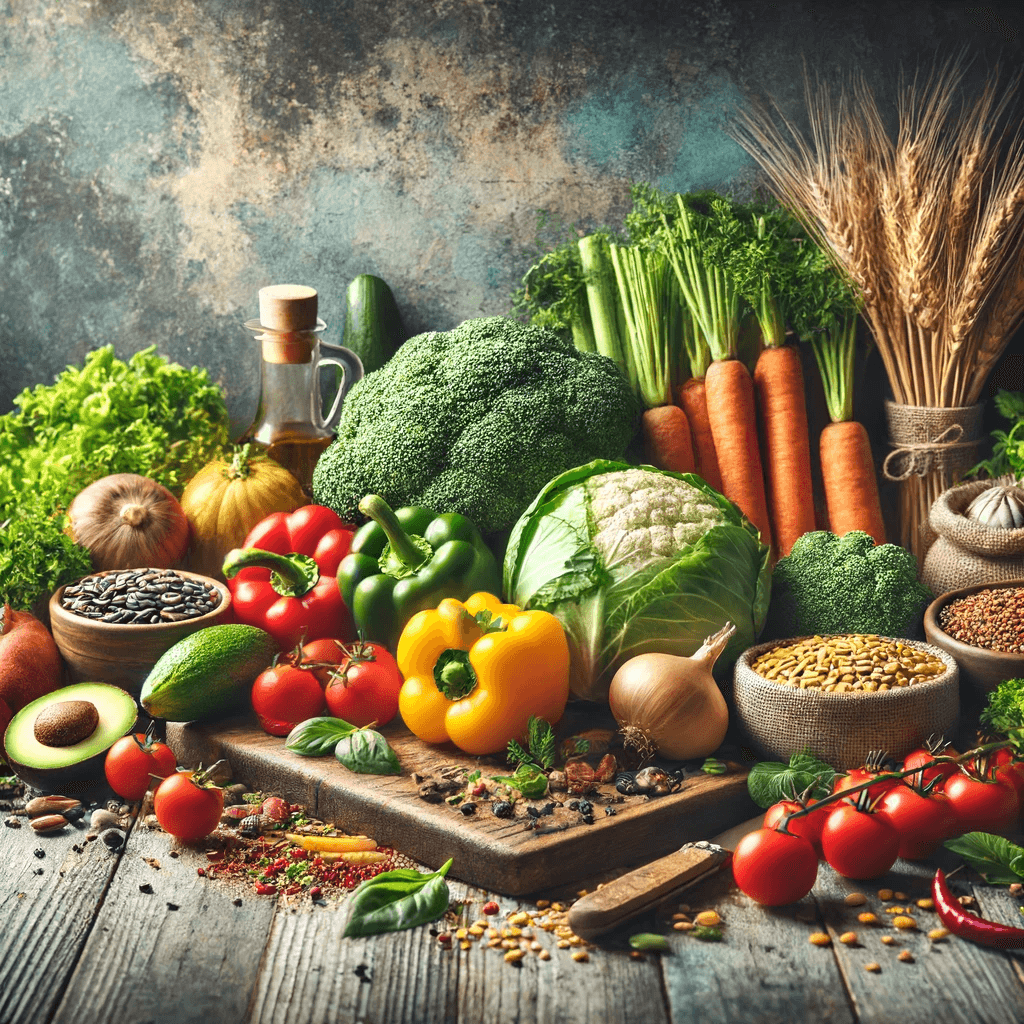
(208, 673)
(373, 325)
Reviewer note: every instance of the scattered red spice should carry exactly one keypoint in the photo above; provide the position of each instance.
(490, 908)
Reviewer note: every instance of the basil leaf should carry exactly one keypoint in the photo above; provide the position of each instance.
(528, 779)
(366, 752)
(996, 859)
(396, 900)
(772, 781)
(316, 737)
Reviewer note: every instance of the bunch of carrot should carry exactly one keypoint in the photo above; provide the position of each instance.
(705, 287)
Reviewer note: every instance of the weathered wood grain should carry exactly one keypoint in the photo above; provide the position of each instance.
(498, 855)
(184, 952)
(45, 918)
(764, 972)
(955, 979)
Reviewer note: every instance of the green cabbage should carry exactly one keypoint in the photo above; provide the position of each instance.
(633, 560)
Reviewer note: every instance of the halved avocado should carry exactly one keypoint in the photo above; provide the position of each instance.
(60, 741)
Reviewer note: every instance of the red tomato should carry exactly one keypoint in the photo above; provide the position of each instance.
(923, 822)
(133, 761)
(860, 775)
(364, 688)
(1013, 773)
(923, 755)
(982, 806)
(809, 825)
(186, 810)
(773, 867)
(284, 695)
(859, 844)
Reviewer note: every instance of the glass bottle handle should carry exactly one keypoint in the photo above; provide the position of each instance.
(351, 370)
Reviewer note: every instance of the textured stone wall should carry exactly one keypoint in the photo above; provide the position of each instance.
(161, 160)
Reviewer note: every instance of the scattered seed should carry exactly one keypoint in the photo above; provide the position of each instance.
(855, 899)
(901, 896)
(490, 908)
(848, 938)
(819, 939)
(873, 967)
(684, 926)
(888, 940)
(906, 956)
(708, 919)
(885, 894)
(544, 955)
(580, 956)
(680, 917)
(904, 922)
(926, 904)
(938, 934)
(513, 956)
(867, 918)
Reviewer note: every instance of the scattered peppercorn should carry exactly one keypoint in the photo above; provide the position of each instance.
(501, 809)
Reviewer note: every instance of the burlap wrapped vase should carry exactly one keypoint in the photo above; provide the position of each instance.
(842, 728)
(966, 552)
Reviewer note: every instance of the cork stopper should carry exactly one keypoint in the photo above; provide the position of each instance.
(288, 310)
(288, 307)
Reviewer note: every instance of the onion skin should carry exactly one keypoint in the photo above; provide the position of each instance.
(672, 706)
(127, 521)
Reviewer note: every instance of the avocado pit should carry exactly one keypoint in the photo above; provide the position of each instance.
(65, 723)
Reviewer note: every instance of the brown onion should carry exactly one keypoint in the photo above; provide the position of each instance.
(672, 706)
(128, 522)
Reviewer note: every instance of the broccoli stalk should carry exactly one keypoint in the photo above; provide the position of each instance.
(829, 584)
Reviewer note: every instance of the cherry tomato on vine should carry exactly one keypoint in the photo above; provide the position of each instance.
(922, 821)
(809, 825)
(859, 844)
(1013, 773)
(133, 762)
(857, 776)
(773, 867)
(365, 686)
(187, 806)
(982, 806)
(284, 695)
(922, 755)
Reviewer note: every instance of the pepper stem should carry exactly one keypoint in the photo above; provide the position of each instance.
(453, 674)
(291, 575)
(404, 548)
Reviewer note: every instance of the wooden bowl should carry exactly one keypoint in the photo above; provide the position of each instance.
(106, 652)
(842, 728)
(983, 669)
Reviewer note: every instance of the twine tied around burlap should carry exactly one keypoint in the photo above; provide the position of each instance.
(931, 439)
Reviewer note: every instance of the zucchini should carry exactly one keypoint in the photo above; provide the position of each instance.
(208, 673)
(373, 325)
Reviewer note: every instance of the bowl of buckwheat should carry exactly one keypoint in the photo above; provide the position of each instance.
(982, 627)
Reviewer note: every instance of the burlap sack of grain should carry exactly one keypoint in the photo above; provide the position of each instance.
(842, 728)
(965, 552)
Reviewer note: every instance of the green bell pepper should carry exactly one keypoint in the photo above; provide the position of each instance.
(409, 560)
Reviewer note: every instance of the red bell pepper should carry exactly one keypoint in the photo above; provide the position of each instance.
(283, 578)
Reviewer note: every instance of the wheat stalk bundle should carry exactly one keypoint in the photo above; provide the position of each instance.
(927, 220)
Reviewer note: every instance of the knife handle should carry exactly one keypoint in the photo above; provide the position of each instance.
(642, 889)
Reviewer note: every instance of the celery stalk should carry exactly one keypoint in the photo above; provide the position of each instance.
(602, 298)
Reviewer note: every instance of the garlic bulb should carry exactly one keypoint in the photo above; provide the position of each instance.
(999, 507)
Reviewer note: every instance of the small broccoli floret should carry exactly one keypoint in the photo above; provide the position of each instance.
(475, 420)
(829, 584)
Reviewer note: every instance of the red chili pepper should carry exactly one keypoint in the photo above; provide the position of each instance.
(969, 926)
(283, 578)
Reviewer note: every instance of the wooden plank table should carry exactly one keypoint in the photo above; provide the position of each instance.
(93, 935)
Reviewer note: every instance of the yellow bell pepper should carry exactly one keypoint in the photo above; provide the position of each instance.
(476, 682)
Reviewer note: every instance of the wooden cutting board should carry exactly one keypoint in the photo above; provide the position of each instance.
(500, 855)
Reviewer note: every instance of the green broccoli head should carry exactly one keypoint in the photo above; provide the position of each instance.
(475, 420)
(829, 584)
